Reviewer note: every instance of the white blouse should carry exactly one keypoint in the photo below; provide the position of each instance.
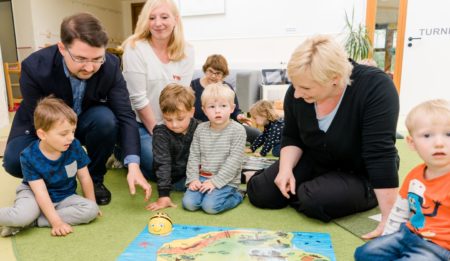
(146, 75)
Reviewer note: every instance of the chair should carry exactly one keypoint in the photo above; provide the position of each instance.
(11, 69)
(117, 52)
(247, 88)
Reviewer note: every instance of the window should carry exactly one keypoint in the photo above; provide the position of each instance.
(274, 76)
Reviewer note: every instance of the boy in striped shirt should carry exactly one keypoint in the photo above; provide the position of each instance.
(216, 155)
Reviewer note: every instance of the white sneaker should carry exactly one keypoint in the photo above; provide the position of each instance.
(117, 164)
(114, 163)
(9, 231)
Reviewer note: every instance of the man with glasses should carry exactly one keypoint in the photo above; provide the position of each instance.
(80, 72)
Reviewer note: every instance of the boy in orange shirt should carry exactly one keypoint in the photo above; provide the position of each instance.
(418, 227)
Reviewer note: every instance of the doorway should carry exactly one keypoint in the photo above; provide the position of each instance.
(382, 17)
(136, 9)
(425, 53)
(7, 36)
(420, 52)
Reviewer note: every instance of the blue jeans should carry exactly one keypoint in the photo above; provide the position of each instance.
(146, 153)
(401, 245)
(146, 156)
(214, 202)
(97, 129)
(179, 185)
(276, 150)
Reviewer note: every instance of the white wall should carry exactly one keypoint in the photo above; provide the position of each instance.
(261, 33)
(24, 30)
(250, 33)
(4, 117)
(126, 16)
(38, 22)
(425, 63)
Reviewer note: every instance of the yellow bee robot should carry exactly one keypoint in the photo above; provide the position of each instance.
(160, 224)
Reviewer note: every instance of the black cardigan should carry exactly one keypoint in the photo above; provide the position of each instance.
(361, 137)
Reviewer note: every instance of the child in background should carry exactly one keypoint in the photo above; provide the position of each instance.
(215, 70)
(265, 115)
(50, 165)
(418, 227)
(216, 155)
(171, 142)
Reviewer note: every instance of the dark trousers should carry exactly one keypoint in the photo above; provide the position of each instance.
(324, 197)
(97, 130)
(252, 133)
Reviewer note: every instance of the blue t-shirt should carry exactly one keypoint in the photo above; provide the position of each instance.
(59, 175)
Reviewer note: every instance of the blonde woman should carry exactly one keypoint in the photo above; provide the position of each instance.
(338, 154)
(155, 56)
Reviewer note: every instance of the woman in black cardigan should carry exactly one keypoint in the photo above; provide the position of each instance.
(338, 153)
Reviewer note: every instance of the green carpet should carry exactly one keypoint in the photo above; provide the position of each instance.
(360, 223)
(125, 217)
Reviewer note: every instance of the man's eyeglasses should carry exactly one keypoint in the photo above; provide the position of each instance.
(215, 73)
(81, 60)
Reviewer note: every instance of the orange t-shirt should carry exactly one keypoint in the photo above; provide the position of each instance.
(429, 205)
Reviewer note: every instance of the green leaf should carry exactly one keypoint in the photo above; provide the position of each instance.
(357, 43)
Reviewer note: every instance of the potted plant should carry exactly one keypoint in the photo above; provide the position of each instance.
(357, 43)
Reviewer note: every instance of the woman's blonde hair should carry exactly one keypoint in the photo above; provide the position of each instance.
(324, 58)
(436, 110)
(264, 109)
(177, 42)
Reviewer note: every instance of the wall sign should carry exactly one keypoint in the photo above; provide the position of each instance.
(201, 7)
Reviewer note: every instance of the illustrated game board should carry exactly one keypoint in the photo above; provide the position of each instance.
(256, 163)
(187, 242)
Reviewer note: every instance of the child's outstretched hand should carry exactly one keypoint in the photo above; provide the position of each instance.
(61, 229)
(195, 185)
(248, 150)
(244, 120)
(161, 203)
(207, 186)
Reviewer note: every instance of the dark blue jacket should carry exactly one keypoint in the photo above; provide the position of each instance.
(43, 74)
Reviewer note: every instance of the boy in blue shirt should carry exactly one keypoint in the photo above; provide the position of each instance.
(50, 165)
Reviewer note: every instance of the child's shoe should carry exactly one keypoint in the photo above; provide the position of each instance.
(9, 231)
(242, 192)
(114, 163)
